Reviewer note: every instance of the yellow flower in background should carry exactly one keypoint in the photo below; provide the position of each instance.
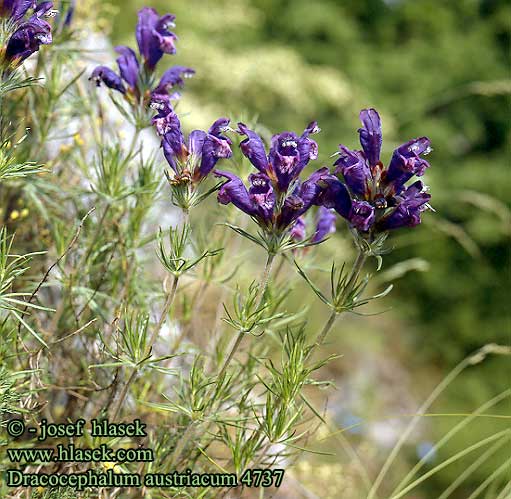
(110, 465)
(78, 139)
(65, 148)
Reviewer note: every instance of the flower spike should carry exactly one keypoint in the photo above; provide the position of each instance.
(371, 197)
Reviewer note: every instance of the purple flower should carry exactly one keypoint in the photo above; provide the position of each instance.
(165, 119)
(325, 224)
(234, 191)
(370, 135)
(70, 13)
(406, 162)
(129, 69)
(262, 195)
(194, 160)
(253, 148)
(336, 196)
(371, 197)
(27, 34)
(259, 201)
(410, 205)
(355, 170)
(109, 78)
(42, 9)
(304, 196)
(173, 140)
(171, 78)
(135, 80)
(277, 199)
(288, 156)
(220, 126)
(153, 36)
(214, 148)
(128, 65)
(298, 230)
(15, 9)
(174, 76)
(361, 215)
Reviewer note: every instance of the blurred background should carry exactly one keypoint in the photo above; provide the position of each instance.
(431, 68)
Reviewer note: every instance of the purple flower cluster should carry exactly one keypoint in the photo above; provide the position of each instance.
(28, 30)
(134, 80)
(276, 198)
(371, 197)
(194, 159)
(374, 198)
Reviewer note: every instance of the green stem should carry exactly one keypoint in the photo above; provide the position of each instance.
(234, 349)
(165, 312)
(263, 285)
(452, 459)
(352, 281)
(134, 140)
(326, 328)
(123, 394)
(262, 289)
(2, 118)
(95, 238)
(181, 445)
(279, 268)
(130, 155)
(67, 291)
